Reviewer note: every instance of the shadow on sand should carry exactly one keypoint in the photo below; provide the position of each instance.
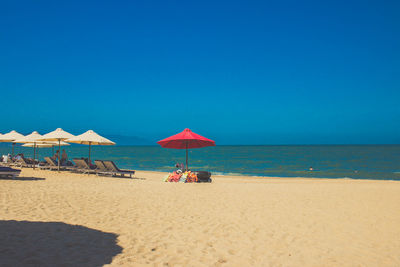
(22, 178)
(24, 243)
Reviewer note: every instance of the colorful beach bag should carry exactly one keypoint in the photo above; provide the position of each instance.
(191, 177)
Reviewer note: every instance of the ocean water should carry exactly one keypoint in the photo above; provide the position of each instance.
(327, 161)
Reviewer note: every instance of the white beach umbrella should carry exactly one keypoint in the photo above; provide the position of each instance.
(57, 135)
(36, 145)
(10, 138)
(31, 138)
(44, 144)
(90, 138)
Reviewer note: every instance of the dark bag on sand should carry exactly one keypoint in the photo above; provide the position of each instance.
(203, 177)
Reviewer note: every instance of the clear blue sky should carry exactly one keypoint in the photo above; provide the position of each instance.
(238, 72)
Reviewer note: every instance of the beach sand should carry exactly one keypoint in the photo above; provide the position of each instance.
(65, 219)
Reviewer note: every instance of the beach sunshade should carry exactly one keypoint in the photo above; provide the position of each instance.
(51, 144)
(186, 140)
(30, 138)
(90, 138)
(10, 138)
(57, 135)
(45, 144)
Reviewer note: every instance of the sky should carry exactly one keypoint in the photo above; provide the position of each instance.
(238, 72)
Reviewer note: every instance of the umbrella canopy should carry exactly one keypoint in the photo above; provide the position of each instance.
(90, 138)
(57, 135)
(30, 138)
(186, 140)
(45, 144)
(36, 147)
(10, 138)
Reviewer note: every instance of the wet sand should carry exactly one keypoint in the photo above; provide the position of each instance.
(71, 219)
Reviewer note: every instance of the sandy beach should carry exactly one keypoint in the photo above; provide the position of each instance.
(49, 218)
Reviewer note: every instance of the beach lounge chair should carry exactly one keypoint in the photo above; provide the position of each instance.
(9, 163)
(110, 165)
(7, 172)
(102, 169)
(51, 165)
(44, 166)
(83, 166)
(24, 163)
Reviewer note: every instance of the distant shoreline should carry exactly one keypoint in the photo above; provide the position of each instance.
(270, 145)
(248, 176)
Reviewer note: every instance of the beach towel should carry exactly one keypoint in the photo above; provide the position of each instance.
(175, 177)
(183, 177)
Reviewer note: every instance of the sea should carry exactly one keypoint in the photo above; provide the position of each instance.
(380, 162)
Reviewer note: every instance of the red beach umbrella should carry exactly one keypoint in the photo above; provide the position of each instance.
(186, 140)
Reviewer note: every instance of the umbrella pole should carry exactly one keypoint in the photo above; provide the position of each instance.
(53, 149)
(89, 153)
(187, 167)
(34, 155)
(12, 154)
(59, 154)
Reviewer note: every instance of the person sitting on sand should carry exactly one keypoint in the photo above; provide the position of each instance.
(55, 156)
(5, 158)
(64, 158)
